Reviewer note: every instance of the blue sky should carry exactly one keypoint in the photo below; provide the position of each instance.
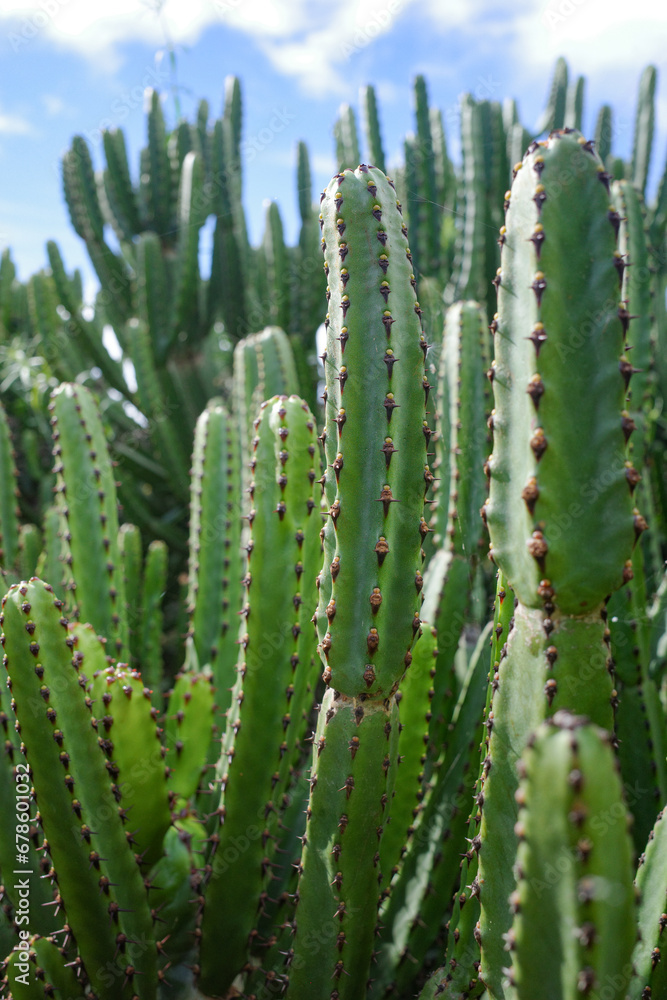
(78, 65)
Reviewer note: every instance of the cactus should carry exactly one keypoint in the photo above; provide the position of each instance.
(460, 974)
(460, 444)
(574, 104)
(213, 850)
(133, 745)
(639, 727)
(537, 522)
(357, 739)
(644, 123)
(215, 568)
(189, 729)
(372, 128)
(308, 306)
(604, 132)
(31, 895)
(374, 361)
(99, 882)
(414, 698)
(9, 529)
(263, 367)
(467, 280)
(647, 960)
(89, 514)
(428, 261)
(524, 435)
(129, 551)
(413, 915)
(277, 266)
(553, 116)
(50, 973)
(574, 928)
(347, 140)
(358, 720)
(275, 669)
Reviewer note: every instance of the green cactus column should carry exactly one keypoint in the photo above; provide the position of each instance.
(459, 975)
(460, 448)
(276, 674)
(370, 583)
(560, 507)
(215, 564)
(377, 473)
(263, 366)
(86, 498)
(9, 526)
(100, 886)
(649, 957)
(574, 928)
(351, 783)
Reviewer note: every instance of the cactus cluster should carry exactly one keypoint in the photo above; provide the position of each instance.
(274, 725)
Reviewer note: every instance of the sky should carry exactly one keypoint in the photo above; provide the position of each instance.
(77, 66)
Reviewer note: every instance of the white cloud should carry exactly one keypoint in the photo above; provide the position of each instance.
(14, 125)
(322, 163)
(315, 43)
(597, 35)
(53, 105)
(306, 40)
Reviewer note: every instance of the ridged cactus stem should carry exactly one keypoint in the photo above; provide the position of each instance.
(354, 763)
(9, 527)
(459, 976)
(649, 959)
(414, 698)
(99, 882)
(372, 127)
(635, 313)
(558, 375)
(411, 920)
(39, 968)
(215, 565)
(460, 445)
(468, 277)
(275, 674)
(127, 724)
(189, 730)
(574, 929)
(264, 366)
(375, 383)
(86, 497)
(375, 493)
